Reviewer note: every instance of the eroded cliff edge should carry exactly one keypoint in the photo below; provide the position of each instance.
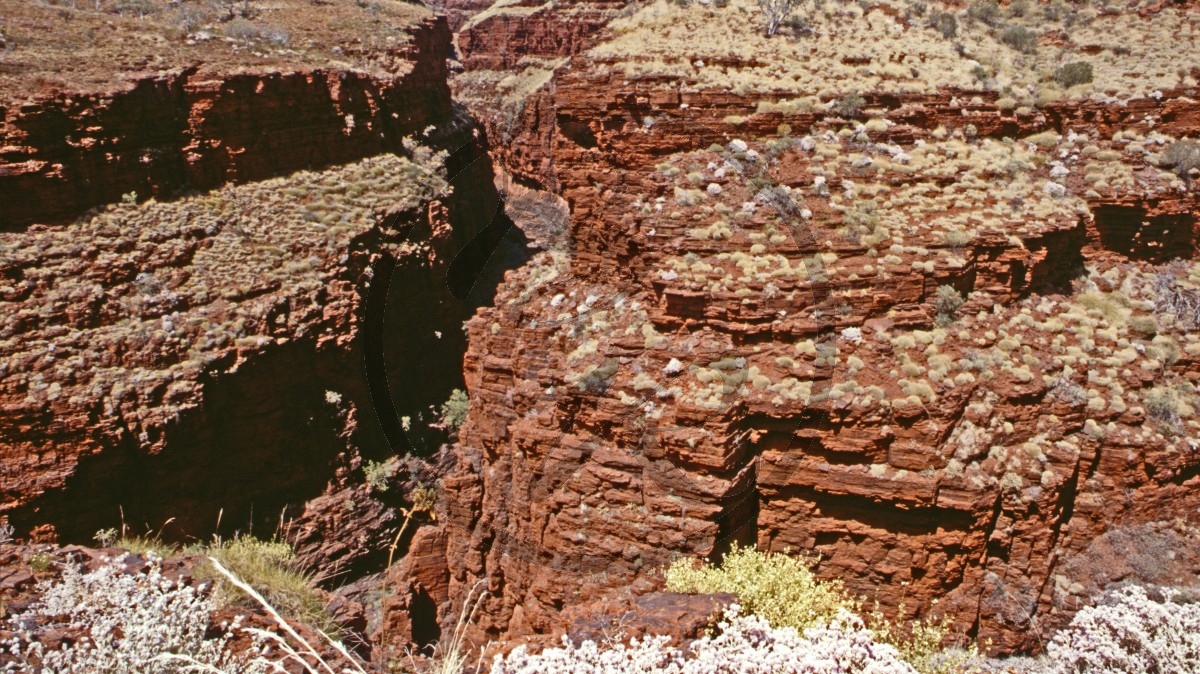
(741, 340)
(226, 349)
(197, 112)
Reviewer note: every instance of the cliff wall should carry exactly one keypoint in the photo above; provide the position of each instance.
(196, 128)
(681, 378)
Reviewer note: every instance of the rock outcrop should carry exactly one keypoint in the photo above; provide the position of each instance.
(501, 36)
(635, 400)
(197, 126)
(232, 359)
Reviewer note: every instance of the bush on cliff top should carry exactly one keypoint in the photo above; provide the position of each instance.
(454, 410)
(1071, 74)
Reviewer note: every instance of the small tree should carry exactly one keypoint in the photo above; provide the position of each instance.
(944, 23)
(776, 11)
(454, 410)
(946, 302)
(987, 11)
(850, 105)
(236, 8)
(1020, 38)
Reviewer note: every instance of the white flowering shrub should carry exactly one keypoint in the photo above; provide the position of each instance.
(1129, 632)
(747, 644)
(853, 335)
(125, 622)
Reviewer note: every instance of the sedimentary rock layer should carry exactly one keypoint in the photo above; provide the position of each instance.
(729, 352)
(195, 129)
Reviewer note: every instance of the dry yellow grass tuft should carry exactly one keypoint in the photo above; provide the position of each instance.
(60, 47)
(891, 47)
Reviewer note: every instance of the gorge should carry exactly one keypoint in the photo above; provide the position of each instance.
(916, 310)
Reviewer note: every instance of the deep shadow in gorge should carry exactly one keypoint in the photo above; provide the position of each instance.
(289, 422)
(264, 438)
(403, 330)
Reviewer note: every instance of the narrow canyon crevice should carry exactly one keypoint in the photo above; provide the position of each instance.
(272, 437)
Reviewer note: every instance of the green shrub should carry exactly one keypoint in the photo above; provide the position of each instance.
(1020, 38)
(270, 567)
(850, 105)
(797, 26)
(986, 11)
(105, 537)
(41, 562)
(1056, 10)
(776, 12)
(944, 23)
(379, 474)
(1183, 156)
(861, 218)
(946, 302)
(779, 588)
(784, 591)
(1165, 405)
(1078, 72)
(454, 410)
(596, 381)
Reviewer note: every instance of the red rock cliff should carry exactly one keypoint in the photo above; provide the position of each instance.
(589, 461)
(196, 129)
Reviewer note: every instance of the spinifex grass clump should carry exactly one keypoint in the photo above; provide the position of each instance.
(272, 568)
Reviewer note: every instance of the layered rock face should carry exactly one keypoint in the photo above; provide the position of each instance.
(504, 34)
(230, 360)
(743, 345)
(197, 126)
(177, 358)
